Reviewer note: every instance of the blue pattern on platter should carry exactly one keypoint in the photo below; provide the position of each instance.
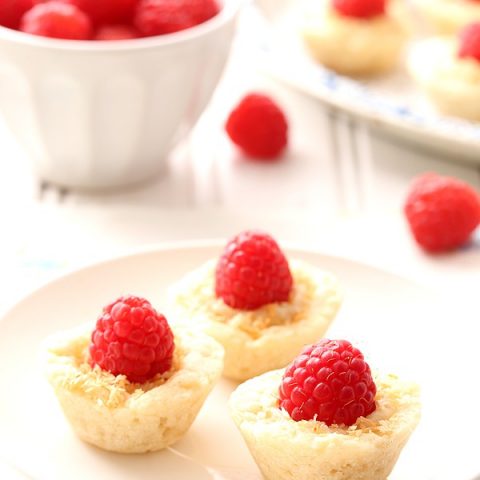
(376, 104)
(350, 94)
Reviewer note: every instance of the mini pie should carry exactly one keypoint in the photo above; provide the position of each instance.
(264, 338)
(448, 16)
(285, 449)
(451, 83)
(119, 415)
(354, 46)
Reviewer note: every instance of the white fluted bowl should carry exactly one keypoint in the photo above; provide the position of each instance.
(105, 114)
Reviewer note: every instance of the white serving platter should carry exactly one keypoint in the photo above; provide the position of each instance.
(400, 326)
(391, 103)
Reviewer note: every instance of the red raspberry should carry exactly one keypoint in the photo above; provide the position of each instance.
(11, 11)
(329, 382)
(442, 212)
(252, 272)
(132, 339)
(107, 11)
(57, 20)
(258, 126)
(469, 39)
(359, 8)
(115, 32)
(158, 17)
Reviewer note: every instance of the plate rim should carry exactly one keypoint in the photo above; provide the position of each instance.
(288, 247)
(178, 246)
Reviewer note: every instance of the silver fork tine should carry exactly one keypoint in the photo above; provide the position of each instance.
(49, 193)
(41, 190)
(343, 156)
(333, 146)
(352, 156)
(364, 164)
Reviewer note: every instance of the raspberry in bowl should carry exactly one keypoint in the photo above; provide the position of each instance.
(355, 37)
(134, 384)
(447, 69)
(95, 114)
(260, 306)
(326, 416)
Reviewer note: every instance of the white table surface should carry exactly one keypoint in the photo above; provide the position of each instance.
(211, 191)
(316, 195)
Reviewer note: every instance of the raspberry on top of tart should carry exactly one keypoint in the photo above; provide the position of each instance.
(355, 37)
(133, 385)
(132, 339)
(448, 70)
(329, 382)
(469, 42)
(360, 8)
(261, 306)
(252, 272)
(326, 416)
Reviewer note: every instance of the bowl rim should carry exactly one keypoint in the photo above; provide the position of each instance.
(228, 12)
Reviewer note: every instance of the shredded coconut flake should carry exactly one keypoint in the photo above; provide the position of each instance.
(106, 389)
(261, 403)
(200, 300)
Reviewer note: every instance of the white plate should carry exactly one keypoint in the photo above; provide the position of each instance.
(400, 326)
(390, 102)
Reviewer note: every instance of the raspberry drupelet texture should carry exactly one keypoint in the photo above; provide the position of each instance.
(158, 17)
(469, 42)
(132, 339)
(442, 212)
(362, 9)
(252, 272)
(259, 127)
(57, 19)
(328, 382)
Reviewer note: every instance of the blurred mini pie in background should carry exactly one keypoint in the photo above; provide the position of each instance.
(134, 385)
(355, 37)
(448, 16)
(326, 417)
(447, 69)
(259, 306)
